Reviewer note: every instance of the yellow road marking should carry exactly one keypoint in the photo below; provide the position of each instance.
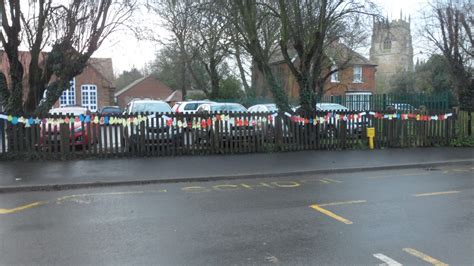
(332, 180)
(394, 175)
(330, 214)
(457, 170)
(424, 257)
(97, 194)
(22, 208)
(436, 193)
(454, 171)
(342, 203)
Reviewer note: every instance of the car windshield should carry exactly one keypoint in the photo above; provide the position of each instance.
(272, 107)
(111, 110)
(150, 107)
(69, 110)
(192, 106)
(227, 108)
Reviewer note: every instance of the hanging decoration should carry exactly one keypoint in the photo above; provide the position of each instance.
(211, 121)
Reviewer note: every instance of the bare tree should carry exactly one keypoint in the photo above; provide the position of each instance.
(310, 28)
(178, 18)
(73, 30)
(212, 41)
(257, 32)
(10, 38)
(240, 58)
(167, 67)
(448, 26)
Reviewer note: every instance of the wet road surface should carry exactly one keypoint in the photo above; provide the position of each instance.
(411, 217)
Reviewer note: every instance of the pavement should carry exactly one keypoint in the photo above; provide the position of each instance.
(56, 175)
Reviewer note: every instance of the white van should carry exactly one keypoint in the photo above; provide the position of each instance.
(358, 100)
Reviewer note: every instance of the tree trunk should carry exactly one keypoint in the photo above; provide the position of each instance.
(15, 103)
(4, 91)
(307, 95)
(214, 76)
(183, 77)
(279, 94)
(34, 92)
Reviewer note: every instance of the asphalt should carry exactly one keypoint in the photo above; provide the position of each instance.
(249, 222)
(55, 175)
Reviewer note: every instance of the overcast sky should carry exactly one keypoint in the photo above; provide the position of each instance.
(127, 52)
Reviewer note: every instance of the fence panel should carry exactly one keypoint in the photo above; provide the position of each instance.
(228, 133)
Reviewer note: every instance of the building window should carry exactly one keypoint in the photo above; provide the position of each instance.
(334, 75)
(387, 44)
(357, 74)
(89, 97)
(69, 95)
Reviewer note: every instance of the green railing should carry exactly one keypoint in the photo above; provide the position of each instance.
(375, 102)
(399, 102)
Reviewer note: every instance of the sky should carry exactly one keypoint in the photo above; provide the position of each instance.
(128, 52)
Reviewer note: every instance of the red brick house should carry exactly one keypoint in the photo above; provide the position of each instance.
(146, 87)
(93, 88)
(356, 74)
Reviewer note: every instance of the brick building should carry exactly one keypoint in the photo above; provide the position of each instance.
(93, 88)
(146, 87)
(356, 74)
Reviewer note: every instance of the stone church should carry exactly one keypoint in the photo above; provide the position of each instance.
(391, 50)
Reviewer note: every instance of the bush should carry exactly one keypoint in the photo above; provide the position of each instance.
(463, 142)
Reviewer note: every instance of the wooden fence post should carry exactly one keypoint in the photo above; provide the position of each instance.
(279, 132)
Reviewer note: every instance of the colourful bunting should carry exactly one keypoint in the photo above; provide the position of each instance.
(209, 122)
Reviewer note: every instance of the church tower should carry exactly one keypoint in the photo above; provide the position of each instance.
(391, 50)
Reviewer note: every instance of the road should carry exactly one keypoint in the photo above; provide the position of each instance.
(411, 217)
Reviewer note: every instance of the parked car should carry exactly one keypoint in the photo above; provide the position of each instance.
(110, 110)
(330, 107)
(226, 132)
(147, 106)
(401, 107)
(75, 110)
(269, 107)
(156, 129)
(53, 133)
(221, 107)
(188, 107)
(331, 128)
